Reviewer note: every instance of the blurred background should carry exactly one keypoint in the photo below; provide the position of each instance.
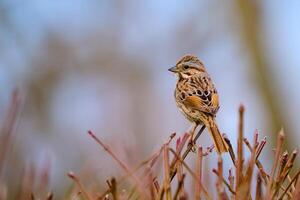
(102, 65)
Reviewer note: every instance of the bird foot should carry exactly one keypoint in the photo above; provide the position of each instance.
(192, 145)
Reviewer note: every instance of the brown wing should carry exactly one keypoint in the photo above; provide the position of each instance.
(208, 104)
(201, 94)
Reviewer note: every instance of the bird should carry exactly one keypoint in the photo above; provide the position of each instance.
(197, 98)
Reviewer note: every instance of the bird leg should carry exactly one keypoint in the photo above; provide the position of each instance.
(192, 141)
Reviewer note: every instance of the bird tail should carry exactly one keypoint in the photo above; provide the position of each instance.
(219, 142)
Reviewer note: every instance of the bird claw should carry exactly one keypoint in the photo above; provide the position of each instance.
(192, 145)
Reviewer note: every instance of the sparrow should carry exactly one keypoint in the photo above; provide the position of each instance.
(197, 98)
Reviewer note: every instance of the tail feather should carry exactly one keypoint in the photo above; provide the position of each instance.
(219, 142)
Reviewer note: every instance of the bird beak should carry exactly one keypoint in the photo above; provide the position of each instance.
(173, 69)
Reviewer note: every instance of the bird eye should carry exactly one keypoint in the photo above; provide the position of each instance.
(185, 66)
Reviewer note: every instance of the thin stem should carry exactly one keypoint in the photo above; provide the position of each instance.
(287, 188)
(192, 173)
(173, 170)
(80, 186)
(123, 166)
(224, 181)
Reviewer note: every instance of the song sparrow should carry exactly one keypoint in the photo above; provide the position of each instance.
(197, 98)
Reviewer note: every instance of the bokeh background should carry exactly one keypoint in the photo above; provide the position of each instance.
(102, 65)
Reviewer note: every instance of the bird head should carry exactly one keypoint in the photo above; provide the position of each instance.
(187, 66)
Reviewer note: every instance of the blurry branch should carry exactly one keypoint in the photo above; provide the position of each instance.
(279, 183)
(148, 163)
(250, 19)
(173, 170)
(27, 182)
(80, 186)
(135, 179)
(8, 127)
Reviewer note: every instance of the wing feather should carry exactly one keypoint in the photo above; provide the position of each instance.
(198, 93)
